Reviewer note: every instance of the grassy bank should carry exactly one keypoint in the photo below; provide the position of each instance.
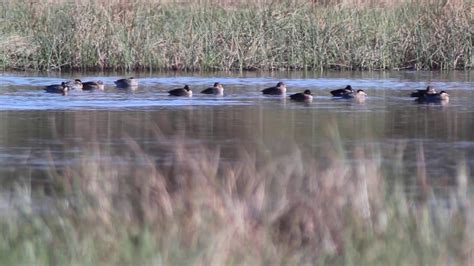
(223, 35)
(202, 209)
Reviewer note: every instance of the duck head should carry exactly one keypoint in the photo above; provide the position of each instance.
(361, 93)
(430, 90)
(65, 88)
(281, 85)
(308, 92)
(444, 95)
(217, 85)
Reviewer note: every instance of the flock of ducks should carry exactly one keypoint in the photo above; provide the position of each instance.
(428, 95)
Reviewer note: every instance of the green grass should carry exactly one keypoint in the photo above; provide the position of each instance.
(150, 35)
(255, 209)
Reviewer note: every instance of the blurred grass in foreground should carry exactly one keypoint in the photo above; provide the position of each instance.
(254, 209)
(235, 35)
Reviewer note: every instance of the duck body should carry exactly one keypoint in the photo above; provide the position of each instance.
(57, 88)
(217, 89)
(302, 96)
(126, 83)
(279, 89)
(422, 93)
(185, 91)
(349, 95)
(74, 84)
(93, 85)
(434, 98)
(342, 92)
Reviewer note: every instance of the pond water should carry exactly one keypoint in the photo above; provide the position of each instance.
(38, 128)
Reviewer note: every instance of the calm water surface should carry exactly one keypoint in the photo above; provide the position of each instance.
(37, 128)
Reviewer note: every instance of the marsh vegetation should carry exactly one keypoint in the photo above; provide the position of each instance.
(236, 35)
(255, 209)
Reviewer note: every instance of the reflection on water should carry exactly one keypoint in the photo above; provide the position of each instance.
(37, 129)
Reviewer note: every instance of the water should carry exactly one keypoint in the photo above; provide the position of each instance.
(41, 131)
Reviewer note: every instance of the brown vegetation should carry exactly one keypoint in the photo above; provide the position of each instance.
(198, 208)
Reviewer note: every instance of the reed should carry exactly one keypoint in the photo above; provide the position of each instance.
(202, 209)
(235, 35)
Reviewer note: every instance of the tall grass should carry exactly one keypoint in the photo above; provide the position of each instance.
(200, 208)
(235, 35)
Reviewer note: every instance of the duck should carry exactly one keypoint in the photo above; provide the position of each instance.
(74, 84)
(57, 88)
(442, 96)
(93, 85)
(421, 93)
(341, 92)
(126, 83)
(302, 96)
(217, 89)
(185, 91)
(279, 89)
